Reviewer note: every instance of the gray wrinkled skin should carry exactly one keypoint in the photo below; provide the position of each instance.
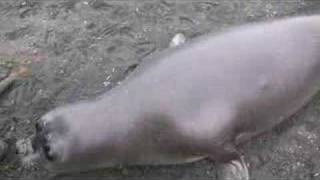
(198, 100)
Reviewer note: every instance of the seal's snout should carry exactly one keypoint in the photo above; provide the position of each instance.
(40, 142)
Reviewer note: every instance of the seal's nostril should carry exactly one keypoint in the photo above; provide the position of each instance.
(39, 127)
(46, 150)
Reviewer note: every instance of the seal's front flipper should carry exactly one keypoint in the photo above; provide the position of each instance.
(235, 169)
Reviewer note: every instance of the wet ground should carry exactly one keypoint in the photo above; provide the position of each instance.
(80, 49)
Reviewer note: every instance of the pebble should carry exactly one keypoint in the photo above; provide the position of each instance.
(24, 146)
(177, 40)
(3, 149)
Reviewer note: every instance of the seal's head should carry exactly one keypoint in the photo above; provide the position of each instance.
(40, 143)
(49, 141)
(64, 138)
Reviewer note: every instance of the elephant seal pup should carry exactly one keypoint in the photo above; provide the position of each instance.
(198, 100)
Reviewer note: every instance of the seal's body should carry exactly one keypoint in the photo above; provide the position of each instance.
(198, 100)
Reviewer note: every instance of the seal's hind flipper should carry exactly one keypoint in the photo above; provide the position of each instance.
(235, 169)
(231, 164)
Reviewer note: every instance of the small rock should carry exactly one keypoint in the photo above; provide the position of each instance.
(3, 149)
(89, 25)
(106, 83)
(24, 146)
(177, 40)
(23, 3)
